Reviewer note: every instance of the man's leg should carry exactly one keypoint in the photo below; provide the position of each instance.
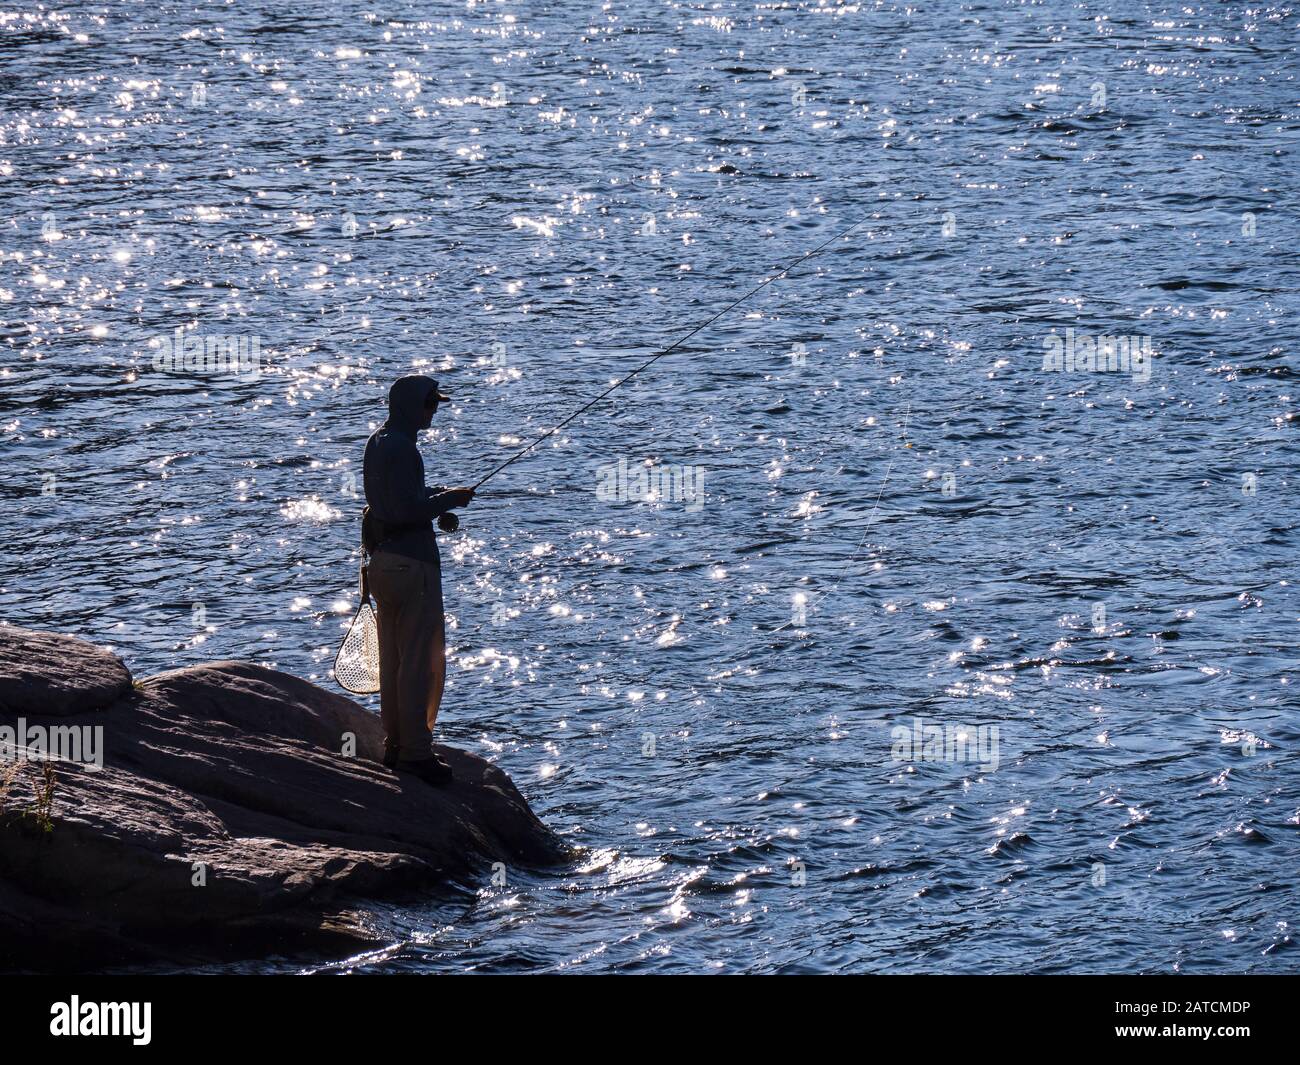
(438, 680)
(424, 666)
(394, 580)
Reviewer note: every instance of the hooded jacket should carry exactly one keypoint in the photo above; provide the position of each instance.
(394, 475)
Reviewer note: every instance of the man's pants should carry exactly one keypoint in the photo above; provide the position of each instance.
(412, 650)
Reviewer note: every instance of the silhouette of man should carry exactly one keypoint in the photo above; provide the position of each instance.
(405, 575)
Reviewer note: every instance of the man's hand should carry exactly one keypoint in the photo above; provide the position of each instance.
(460, 497)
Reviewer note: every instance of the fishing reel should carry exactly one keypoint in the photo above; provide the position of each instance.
(448, 522)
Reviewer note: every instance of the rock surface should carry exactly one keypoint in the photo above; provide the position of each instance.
(47, 673)
(239, 811)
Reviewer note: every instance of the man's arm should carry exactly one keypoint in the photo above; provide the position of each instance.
(445, 499)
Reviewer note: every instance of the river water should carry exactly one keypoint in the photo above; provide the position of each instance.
(891, 512)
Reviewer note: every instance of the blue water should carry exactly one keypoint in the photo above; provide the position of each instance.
(906, 518)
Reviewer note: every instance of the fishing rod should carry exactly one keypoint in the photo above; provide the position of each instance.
(353, 665)
(668, 350)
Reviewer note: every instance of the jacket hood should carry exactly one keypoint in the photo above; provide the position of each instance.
(406, 402)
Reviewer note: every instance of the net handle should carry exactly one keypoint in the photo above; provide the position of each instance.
(363, 575)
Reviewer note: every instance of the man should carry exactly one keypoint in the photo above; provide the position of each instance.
(405, 575)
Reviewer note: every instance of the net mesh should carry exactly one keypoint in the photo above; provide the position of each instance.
(356, 666)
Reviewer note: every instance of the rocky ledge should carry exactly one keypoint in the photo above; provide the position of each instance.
(237, 811)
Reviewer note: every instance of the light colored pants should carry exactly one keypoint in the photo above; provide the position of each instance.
(412, 650)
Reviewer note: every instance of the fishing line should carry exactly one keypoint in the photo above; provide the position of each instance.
(866, 528)
(668, 350)
(723, 672)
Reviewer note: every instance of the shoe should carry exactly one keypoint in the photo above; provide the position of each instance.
(432, 770)
(390, 759)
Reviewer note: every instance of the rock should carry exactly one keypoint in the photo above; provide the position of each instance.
(239, 811)
(46, 673)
